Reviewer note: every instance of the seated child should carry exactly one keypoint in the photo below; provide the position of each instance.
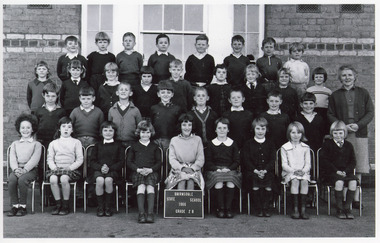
(337, 162)
(64, 158)
(258, 160)
(106, 161)
(144, 159)
(219, 91)
(23, 162)
(186, 158)
(222, 162)
(296, 165)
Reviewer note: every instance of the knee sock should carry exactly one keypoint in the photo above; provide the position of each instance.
(100, 200)
(256, 199)
(229, 196)
(267, 196)
(108, 200)
(150, 199)
(339, 199)
(349, 199)
(220, 197)
(141, 202)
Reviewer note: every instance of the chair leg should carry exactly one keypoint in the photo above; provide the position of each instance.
(42, 198)
(117, 198)
(249, 203)
(208, 201)
(126, 197)
(33, 201)
(240, 201)
(158, 197)
(85, 197)
(284, 199)
(328, 201)
(317, 199)
(279, 204)
(360, 201)
(75, 197)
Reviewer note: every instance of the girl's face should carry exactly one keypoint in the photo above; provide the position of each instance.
(145, 135)
(75, 72)
(338, 135)
(260, 131)
(108, 133)
(186, 128)
(295, 135)
(111, 75)
(319, 79)
(348, 78)
(26, 129)
(251, 76)
(146, 79)
(102, 45)
(221, 74)
(42, 71)
(66, 129)
(221, 129)
(201, 98)
(284, 79)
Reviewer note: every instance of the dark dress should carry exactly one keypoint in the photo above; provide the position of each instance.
(314, 131)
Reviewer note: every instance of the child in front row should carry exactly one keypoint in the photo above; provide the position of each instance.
(337, 158)
(144, 159)
(23, 162)
(64, 158)
(106, 161)
(219, 91)
(296, 165)
(222, 161)
(258, 159)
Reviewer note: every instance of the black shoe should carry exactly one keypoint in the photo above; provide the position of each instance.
(56, 210)
(266, 213)
(52, 201)
(348, 213)
(340, 214)
(220, 213)
(21, 211)
(228, 213)
(304, 216)
(108, 212)
(12, 212)
(141, 218)
(295, 215)
(150, 218)
(64, 211)
(356, 205)
(260, 213)
(100, 212)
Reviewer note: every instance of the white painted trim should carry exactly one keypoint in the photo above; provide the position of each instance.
(261, 28)
(84, 25)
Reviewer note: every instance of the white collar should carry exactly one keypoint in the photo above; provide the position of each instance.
(109, 84)
(53, 109)
(237, 56)
(237, 109)
(249, 85)
(88, 109)
(259, 140)
(294, 60)
(309, 117)
(215, 81)
(123, 107)
(200, 55)
(228, 142)
(162, 53)
(270, 112)
(108, 141)
(144, 143)
(201, 110)
(76, 80)
(71, 55)
(102, 52)
(29, 140)
(129, 52)
(290, 146)
(338, 143)
(146, 87)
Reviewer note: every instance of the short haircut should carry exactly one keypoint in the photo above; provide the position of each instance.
(75, 63)
(27, 117)
(50, 87)
(165, 85)
(252, 67)
(222, 120)
(102, 36)
(269, 40)
(42, 64)
(147, 70)
(159, 36)
(107, 124)
(346, 67)
(129, 34)
(236, 90)
(319, 70)
(308, 97)
(201, 37)
(338, 125)
(238, 38)
(111, 66)
(185, 117)
(63, 120)
(274, 93)
(145, 125)
(299, 128)
(296, 46)
(219, 66)
(200, 89)
(285, 70)
(71, 38)
(259, 121)
(86, 91)
(126, 84)
(176, 63)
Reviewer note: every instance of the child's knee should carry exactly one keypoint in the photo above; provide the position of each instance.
(99, 181)
(53, 180)
(268, 189)
(65, 180)
(352, 185)
(230, 185)
(339, 185)
(108, 181)
(219, 185)
(141, 189)
(150, 189)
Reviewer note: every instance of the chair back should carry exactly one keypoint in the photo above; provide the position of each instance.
(86, 159)
(125, 163)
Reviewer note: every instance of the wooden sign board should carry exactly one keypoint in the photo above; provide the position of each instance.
(183, 204)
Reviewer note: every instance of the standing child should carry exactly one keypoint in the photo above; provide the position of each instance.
(106, 161)
(200, 66)
(161, 59)
(72, 47)
(106, 94)
(125, 115)
(258, 159)
(296, 165)
(236, 62)
(98, 59)
(269, 64)
(222, 162)
(145, 94)
(338, 162)
(69, 93)
(299, 70)
(144, 159)
(129, 60)
(64, 158)
(34, 95)
(219, 90)
(23, 161)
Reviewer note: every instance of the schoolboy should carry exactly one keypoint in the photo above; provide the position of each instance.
(145, 93)
(69, 93)
(219, 90)
(236, 62)
(183, 92)
(72, 47)
(125, 115)
(161, 59)
(269, 64)
(277, 120)
(299, 70)
(312, 122)
(129, 60)
(35, 87)
(240, 119)
(86, 118)
(96, 60)
(290, 104)
(200, 66)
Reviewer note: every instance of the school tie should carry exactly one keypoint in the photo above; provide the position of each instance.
(340, 144)
(75, 82)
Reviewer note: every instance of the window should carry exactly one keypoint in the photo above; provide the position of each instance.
(351, 8)
(308, 8)
(39, 6)
(181, 22)
(99, 18)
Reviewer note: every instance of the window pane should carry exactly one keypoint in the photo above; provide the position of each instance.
(93, 17)
(253, 18)
(175, 47)
(194, 17)
(252, 45)
(149, 45)
(91, 46)
(107, 17)
(189, 46)
(239, 18)
(152, 17)
(173, 17)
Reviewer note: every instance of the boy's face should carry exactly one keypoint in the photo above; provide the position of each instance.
(175, 72)
(66, 129)
(236, 99)
(260, 131)
(124, 92)
(201, 46)
(221, 129)
(102, 45)
(165, 95)
(86, 100)
(319, 79)
(108, 133)
(274, 103)
(308, 106)
(296, 54)
(50, 98)
(251, 76)
(72, 46)
(41, 72)
(201, 97)
(338, 135)
(237, 47)
(163, 44)
(111, 75)
(145, 135)
(75, 72)
(268, 49)
(26, 129)
(128, 43)
(221, 74)
(146, 78)
(284, 79)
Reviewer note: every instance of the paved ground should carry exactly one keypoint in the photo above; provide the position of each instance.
(121, 225)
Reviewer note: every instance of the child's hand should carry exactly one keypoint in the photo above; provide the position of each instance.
(187, 170)
(299, 173)
(341, 173)
(105, 169)
(148, 171)
(225, 170)
(354, 127)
